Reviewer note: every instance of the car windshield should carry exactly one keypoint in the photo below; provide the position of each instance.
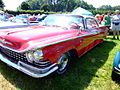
(62, 20)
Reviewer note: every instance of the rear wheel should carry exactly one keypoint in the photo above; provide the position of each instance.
(63, 63)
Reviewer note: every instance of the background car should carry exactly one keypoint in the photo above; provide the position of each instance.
(116, 67)
(17, 21)
(41, 17)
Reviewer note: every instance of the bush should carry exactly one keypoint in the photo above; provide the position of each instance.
(100, 11)
(28, 12)
(46, 12)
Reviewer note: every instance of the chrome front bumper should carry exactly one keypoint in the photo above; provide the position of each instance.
(30, 70)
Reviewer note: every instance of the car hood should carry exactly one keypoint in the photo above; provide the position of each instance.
(22, 39)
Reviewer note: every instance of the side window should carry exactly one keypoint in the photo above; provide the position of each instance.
(78, 21)
(91, 23)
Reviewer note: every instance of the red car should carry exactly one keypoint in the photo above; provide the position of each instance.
(42, 49)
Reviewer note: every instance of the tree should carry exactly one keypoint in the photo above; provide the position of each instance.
(106, 7)
(116, 7)
(91, 7)
(45, 7)
(58, 5)
(25, 6)
(1, 4)
(83, 4)
(36, 4)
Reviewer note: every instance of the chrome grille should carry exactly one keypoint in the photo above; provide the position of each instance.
(13, 55)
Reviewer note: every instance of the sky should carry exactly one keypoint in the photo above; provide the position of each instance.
(13, 4)
(98, 3)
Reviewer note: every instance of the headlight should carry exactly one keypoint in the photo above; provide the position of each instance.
(119, 65)
(35, 56)
(30, 57)
(38, 55)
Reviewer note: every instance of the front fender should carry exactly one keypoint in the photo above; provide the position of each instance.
(116, 59)
(54, 52)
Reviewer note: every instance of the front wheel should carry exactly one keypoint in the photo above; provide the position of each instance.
(115, 76)
(63, 63)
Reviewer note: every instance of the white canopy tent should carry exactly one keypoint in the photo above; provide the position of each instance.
(81, 11)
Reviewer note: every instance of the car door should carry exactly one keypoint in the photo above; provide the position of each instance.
(92, 26)
(91, 35)
(95, 33)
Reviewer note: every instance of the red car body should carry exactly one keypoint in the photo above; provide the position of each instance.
(51, 42)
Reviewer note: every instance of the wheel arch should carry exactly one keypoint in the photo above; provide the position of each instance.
(73, 53)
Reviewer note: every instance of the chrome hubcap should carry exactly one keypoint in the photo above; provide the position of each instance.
(62, 63)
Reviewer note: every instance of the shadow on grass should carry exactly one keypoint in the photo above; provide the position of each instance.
(78, 77)
(117, 81)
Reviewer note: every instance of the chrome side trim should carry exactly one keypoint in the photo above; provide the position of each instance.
(30, 70)
(92, 33)
(42, 46)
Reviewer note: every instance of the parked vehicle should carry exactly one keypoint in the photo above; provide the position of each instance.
(16, 22)
(37, 19)
(41, 17)
(9, 25)
(116, 67)
(43, 49)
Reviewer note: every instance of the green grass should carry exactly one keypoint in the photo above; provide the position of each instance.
(91, 72)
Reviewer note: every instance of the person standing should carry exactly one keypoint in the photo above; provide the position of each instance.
(115, 25)
(107, 20)
(97, 18)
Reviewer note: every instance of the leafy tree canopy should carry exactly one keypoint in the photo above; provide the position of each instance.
(25, 6)
(56, 5)
(2, 4)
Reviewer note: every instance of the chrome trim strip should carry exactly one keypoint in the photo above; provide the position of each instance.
(116, 70)
(44, 62)
(94, 33)
(59, 41)
(48, 44)
(29, 70)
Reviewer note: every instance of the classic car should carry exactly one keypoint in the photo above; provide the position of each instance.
(116, 67)
(9, 25)
(43, 49)
(41, 17)
(15, 23)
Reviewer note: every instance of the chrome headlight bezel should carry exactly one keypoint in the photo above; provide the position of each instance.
(34, 56)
